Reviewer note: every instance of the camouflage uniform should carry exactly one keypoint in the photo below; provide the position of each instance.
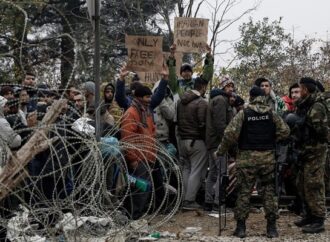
(324, 97)
(313, 152)
(252, 164)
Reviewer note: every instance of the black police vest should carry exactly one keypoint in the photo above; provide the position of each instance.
(258, 131)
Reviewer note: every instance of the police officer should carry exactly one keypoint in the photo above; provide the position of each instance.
(256, 129)
(313, 150)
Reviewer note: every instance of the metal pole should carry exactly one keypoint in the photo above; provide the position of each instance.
(97, 68)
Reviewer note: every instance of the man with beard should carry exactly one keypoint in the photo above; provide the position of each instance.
(312, 134)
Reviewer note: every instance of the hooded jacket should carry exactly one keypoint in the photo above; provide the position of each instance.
(191, 116)
(219, 114)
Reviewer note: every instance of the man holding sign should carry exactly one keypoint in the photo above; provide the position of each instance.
(186, 83)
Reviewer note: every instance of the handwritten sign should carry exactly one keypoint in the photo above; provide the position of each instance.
(190, 34)
(149, 77)
(144, 53)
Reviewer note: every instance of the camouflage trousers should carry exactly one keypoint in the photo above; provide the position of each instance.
(311, 183)
(252, 167)
(327, 174)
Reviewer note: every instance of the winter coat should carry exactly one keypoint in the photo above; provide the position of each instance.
(139, 134)
(163, 115)
(219, 114)
(191, 115)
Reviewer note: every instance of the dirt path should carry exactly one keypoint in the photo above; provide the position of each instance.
(256, 227)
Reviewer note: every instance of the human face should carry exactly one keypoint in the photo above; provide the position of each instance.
(303, 91)
(8, 95)
(72, 93)
(24, 97)
(186, 75)
(79, 102)
(108, 94)
(266, 87)
(146, 99)
(295, 93)
(229, 89)
(29, 80)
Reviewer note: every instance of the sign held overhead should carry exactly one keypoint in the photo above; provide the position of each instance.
(144, 53)
(190, 34)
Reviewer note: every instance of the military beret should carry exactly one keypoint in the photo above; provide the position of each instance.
(307, 80)
(320, 86)
(256, 91)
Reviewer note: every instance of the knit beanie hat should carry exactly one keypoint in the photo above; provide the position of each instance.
(226, 80)
(89, 87)
(256, 91)
(142, 91)
(186, 67)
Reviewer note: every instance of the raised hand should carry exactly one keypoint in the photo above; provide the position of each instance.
(165, 72)
(208, 49)
(123, 73)
(172, 50)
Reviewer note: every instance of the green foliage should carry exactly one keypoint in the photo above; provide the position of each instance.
(265, 49)
(58, 37)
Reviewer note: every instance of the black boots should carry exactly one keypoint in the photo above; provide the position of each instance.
(271, 228)
(304, 221)
(240, 229)
(316, 226)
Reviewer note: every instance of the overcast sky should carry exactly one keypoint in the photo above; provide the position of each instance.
(309, 18)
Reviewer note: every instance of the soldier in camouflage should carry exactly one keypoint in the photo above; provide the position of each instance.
(256, 129)
(313, 151)
(323, 96)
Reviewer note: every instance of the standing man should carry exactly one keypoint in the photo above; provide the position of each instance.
(219, 114)
(274, 101)
(186, 83)
(313, 151)
(255, 129)
(191, 113)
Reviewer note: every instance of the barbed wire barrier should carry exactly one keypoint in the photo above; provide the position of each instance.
(77, 188)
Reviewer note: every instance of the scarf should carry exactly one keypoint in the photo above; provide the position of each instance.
(142, 110)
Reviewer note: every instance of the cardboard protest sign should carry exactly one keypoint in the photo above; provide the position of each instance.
(144, 53)
(152, 77)
(149, 77)
(190, 34)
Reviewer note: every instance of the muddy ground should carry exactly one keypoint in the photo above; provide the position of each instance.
(256, 227)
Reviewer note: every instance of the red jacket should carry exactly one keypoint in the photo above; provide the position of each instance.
(138, 135)
(288, 103)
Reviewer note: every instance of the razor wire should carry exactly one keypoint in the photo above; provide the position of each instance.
(74, 192)
(80, 179)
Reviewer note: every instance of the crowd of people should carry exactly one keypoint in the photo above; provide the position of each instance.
(202, 134)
